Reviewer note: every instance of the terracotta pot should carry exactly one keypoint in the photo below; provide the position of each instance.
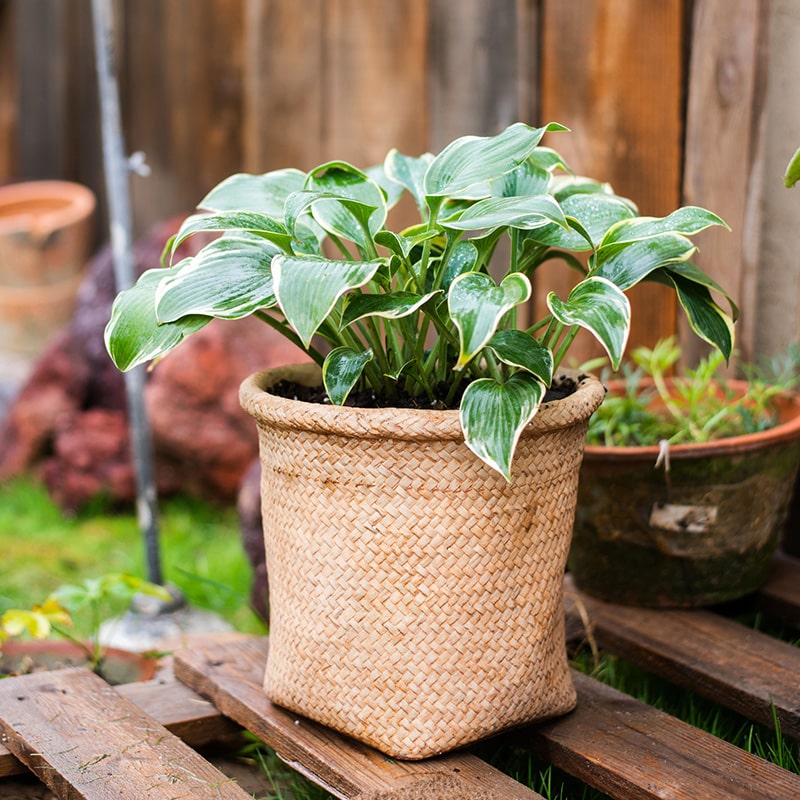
(415, 596)
(118, 667)
(45, 241)
(702, 534)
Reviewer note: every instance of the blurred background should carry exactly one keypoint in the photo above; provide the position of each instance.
(675, 101)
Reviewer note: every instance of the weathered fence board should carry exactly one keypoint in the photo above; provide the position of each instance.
(724, 159)
(211, 87)
(620, 92)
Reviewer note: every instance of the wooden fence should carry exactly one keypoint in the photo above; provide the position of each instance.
(665, 99)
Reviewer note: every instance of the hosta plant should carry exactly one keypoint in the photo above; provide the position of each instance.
(417, 312)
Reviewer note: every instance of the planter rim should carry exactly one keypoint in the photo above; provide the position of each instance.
(787, 430)
(395, 423)
(76, 202)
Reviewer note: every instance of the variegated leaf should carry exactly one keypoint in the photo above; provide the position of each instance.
(519, 349)
(262, 194)
(600, 307)
(493, 415)
(307, 288)
(342, 369)
(477, 305)
(133, 335)
(390, 306)
(472, 160)
(229, 278)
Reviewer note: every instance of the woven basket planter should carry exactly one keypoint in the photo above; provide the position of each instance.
(415, 597)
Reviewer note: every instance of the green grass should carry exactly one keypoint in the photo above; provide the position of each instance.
(202, 554)
(201, 551)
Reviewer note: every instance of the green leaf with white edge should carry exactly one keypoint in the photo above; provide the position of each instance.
(690, 272)
(308, 288)
(389, 306)
(688, 221)
(342, 369)
(547, 159)
(601, 308)
(409, 172)
(493, 415)
(249, 221)
(229, 278)
(462, 259)
(263, 194)
(515, 212)
(594, 213)
(472, 160)
(392, 191)
(344, 182)
(627, 263)
(705, 317)
(400, 244)
(477, 305)
(526, 180)
(518, 349)
(133, 335)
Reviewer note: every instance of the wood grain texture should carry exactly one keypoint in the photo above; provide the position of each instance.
(182, 100)
(780, 595)
(473, 68)
(172, 704)
(613, 72)
(716, 657)
(724, 158)
(374, 88)
(231, 676)
(283, 66)
(8, 93)
(629, 750)
(87, 742)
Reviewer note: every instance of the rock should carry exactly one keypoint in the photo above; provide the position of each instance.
(248, 505)
(68, 420)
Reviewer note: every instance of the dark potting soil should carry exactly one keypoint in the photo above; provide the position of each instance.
(562, 386)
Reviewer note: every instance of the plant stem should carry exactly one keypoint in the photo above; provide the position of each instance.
(286, 331)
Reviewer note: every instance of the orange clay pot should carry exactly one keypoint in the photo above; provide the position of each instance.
(45, 240)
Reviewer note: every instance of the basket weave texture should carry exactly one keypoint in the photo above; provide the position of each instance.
(415, 596)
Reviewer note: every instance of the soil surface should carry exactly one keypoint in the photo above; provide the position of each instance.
(562, 386)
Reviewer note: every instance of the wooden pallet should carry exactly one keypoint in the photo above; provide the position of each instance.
(84, 739)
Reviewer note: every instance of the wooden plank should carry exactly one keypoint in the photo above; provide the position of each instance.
(283, 104)
(724, 149)
(8, 93)
(182, 100)
(374, 78)
(172, 704)
(780, 595)
(231, 675)
(473, 68)
(613, 73)
(718, 658)
(42, 91)
(632, 751)
(81, 738)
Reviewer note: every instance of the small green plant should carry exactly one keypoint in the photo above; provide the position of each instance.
(92, 596)
(416, 312)
(695, 406)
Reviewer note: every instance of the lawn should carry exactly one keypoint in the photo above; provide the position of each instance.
(202, 554)
(200, 549)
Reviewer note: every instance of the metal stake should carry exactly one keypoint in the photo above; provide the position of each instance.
(117, 167)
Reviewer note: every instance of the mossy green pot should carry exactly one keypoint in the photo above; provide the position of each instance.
(702, 533)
